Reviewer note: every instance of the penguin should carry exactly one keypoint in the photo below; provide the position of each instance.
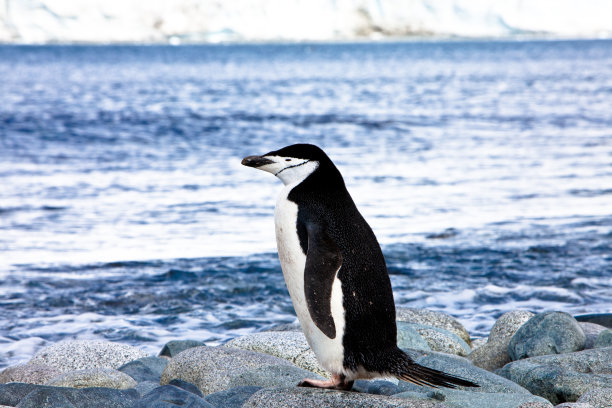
(336, 274)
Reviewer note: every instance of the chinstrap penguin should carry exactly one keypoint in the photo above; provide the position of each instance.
(336, 274)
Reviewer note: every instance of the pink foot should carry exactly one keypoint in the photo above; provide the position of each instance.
(336, 382)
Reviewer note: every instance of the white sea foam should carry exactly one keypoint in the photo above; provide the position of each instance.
(36, 21)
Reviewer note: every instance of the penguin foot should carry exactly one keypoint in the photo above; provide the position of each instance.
(336, 382)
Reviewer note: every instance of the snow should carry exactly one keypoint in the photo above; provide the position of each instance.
(179, 21)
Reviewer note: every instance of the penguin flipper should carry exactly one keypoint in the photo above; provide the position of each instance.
(323, 261)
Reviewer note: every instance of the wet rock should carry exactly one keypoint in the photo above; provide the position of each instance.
(28, 373)
(597, 398)
(376, 387)
(290, 346)
(184, 385)
(463, 368)
(509, 323)
(604, 339)
(603, 319)
(232, 398)
(174, 347)
(95, 377)
(211, 368)
(408, 337)
(492, 355)
(432, 318)
(86, 354)
(146, 387)
(272, 376)
(290, 397)
(145, 369)
(591, 331)
(170, 396)
(468, 399)
(440, 340)
(59, 397)
(12, 393)
(547, 333)
(563, 377)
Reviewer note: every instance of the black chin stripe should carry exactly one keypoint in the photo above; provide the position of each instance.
(290, 167)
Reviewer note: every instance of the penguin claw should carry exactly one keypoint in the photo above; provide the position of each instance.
(336, 382)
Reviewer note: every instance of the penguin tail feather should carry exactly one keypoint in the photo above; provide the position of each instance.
(406, 369)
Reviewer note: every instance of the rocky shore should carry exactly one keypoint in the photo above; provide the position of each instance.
(528, 361)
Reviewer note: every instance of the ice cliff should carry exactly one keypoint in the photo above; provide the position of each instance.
(44, 21)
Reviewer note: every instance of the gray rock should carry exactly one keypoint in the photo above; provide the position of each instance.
(186, 386)
(479, 342)
(95, 377)
(145, 369)
(462, 367)
(591, 331)
(439, 339)
(492, 355)
(59, 397)
(28, 373)
(432, 318)
(508, 324)
(85, 354)
(564, 377)
(468, 399)
(12, 393)
(169, 396)
(574, 405)
(174, 347)
(211, 368)
(285, 327)
(408, 337)
(597, 398)
(146, 387)
(604, 319)
(547, 333)
(291, 397)
(604, 339)
(377, 387)
(535, 405)
(290, 346)
(272, 376)
(232, 398)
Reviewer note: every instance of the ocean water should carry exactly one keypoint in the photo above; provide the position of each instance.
(484, 168)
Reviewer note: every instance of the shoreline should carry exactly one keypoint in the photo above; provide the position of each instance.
(264, 367)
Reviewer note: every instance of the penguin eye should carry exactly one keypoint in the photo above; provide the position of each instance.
(287, 159)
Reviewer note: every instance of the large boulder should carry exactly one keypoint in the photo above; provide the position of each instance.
(438, 339)
(508, 324)
(171, 396)
(547, 333)
(145, 369)
(563, 377)
(432, 318)
(28, 373)
(86, 354)
(272, 376)
(95, 377)
(60, 397)
(212, 368)
(591, 331)
(288, 345)
(292, 397)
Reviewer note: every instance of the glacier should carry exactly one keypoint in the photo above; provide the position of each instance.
(211, 21)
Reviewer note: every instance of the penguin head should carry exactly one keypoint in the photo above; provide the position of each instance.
(292, 164)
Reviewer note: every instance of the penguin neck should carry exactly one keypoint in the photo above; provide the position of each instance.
(325, 179)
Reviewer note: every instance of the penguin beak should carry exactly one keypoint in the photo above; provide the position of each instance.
(256, 161)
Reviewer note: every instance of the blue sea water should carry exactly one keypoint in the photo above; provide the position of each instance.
(484, 168)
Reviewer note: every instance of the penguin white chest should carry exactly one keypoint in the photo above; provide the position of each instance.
(329, 352)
